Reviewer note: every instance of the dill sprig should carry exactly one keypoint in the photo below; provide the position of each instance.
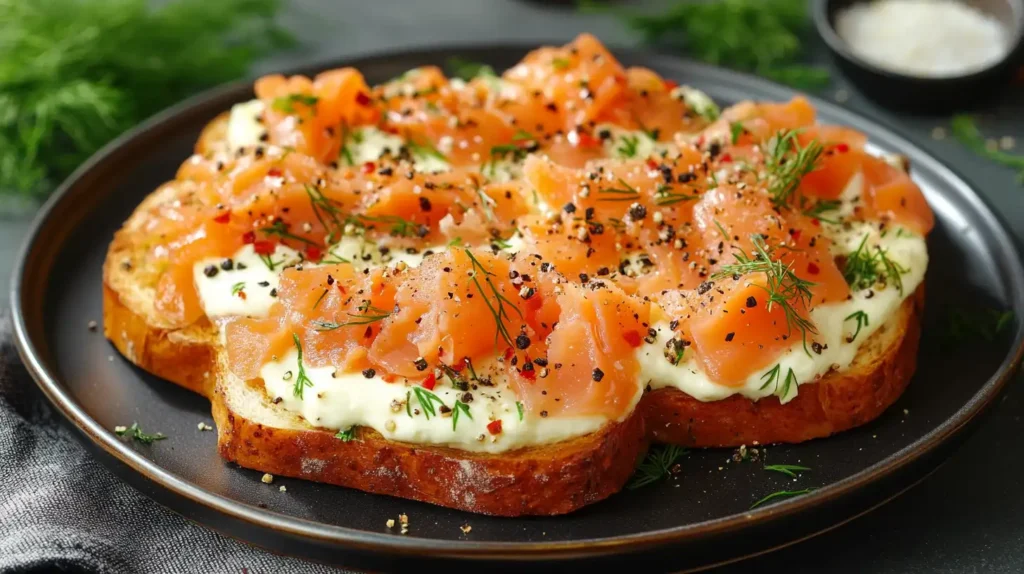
(301, 379)
(346, 435)
(656, 465)
(761, 36)
(780, 494)
(74, 74)
(427, 400)
(460, 408)
(467, 70)
(497, 307)
(424, 150)
(135, 432)
(864, 267)
(783, 286)
(862, 321)
(327, 212)
(786, 469)
(820, 208)
(967, 325)
(966, 131)
(786, 163)
(280, 229)
(628, 146)
(287, 103)
(367, 314)
(625, 193)
(400, 227)
(664, 196)
(774, 377)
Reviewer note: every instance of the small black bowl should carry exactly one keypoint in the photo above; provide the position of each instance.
(911, 93)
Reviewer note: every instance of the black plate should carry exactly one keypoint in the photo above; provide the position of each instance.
(699, 518)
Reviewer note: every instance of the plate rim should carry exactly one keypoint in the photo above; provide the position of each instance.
(49, 381)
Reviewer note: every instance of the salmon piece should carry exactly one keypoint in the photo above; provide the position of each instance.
(443, 315)
(891, 193)
(650, 106)
(591, 355)
(734, 334)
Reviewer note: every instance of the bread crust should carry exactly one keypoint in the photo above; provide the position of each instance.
(838, 401)
(545, 480)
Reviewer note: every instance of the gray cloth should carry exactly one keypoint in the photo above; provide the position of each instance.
(61, 511)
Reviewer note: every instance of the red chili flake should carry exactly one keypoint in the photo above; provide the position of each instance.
(223, 218)
(842, 148)
(429, 382)
(508, 353)
(813, 268)
(314, 253)
(725, 158)
(363, 99)
(494, 427)
(249, 237)
(700, 140)
(670, 85)
(587, 140)
(529, 375)
(633, 338)
(241, 295)
(795, 234)
(263, 247)
(274, 172)
(651, 164)
(457, 367)
(369, 167)
(815, 222)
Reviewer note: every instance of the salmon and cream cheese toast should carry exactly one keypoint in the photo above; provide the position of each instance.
(521, 259)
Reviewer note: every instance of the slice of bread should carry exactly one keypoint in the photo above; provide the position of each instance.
(544, 480)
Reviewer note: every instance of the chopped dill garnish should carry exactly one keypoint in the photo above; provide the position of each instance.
(736, 129)
(301, 379)
(135, 432)
(781, 386)
(864, 268)
(498, 306)
(664, 196)
(467, 70)
(237, 287)
(625, 193)
(783, 286)
(399, 227)
(780, 494)
(327, 212)
(628, 145)
(427, 400)
(367, 314)
(819, 209)
(460, 407)
(319, 299)
(862, 321)
(656, 466)
(346, 435)
(280, 229)
(424, 150)
(786, 469)
(519, 407)
(287, 103)
(786, 163)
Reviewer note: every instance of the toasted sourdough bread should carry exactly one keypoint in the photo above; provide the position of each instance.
(545, 480)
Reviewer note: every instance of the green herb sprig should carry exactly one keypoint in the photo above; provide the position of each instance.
(656, 466)
(135, 432)
(74, 74)
(965, 130)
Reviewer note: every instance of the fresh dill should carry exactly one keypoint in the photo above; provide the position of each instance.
(280, 229)
(656, 466)
(346, 435)
(327, 212)
(319, 299)
(786, 469)
(237, 288)
(460, 407)
(560, 63)
(77, 74)
(424, 150)
(628, 146)
(664, 196)
(736, 129)
(625, 193)
(781, 494)
(287, 103)
(760, 36)
(519, 407)
(865, 267)
(782, 386)
(399, 226)
(965, 130)
(862, 321)
(498, 306)
(346, 135)
(135, 432)
(467, 70)
(786, 163)
(367, 314)
(427, 400)
(984, 324)
(301, 379)
(820, 208)
(784, 288)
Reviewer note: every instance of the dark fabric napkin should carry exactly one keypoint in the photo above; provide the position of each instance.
(60, 511)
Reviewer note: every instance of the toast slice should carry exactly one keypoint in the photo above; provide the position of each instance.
(545, 480)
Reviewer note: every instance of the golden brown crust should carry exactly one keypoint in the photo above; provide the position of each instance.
(839, 401)
(547, 480)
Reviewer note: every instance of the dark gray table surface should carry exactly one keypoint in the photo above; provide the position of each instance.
(969, 516)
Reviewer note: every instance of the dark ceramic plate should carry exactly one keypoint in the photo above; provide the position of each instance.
(699, 518)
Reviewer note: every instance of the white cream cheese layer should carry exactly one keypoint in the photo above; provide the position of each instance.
(342, 400)
(836, 323)
(244, 127)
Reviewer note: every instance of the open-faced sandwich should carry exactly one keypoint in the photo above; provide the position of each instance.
(494, 294)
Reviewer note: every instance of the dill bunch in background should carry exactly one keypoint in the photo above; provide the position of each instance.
(74, 74)
(765, 37)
